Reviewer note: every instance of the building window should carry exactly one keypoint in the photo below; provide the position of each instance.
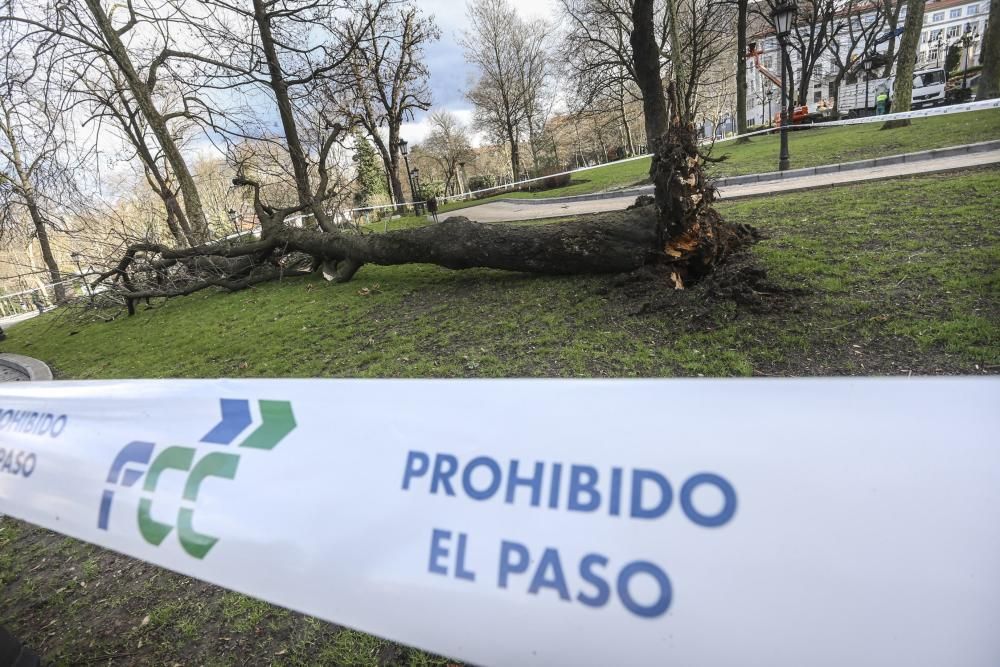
(971, 10)
(952, 32)
(817, 96)
(937, 17)
(932, 55)
(923, 38)
(955, 13)
(935, 34)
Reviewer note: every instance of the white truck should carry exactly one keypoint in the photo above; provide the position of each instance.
(928, 90)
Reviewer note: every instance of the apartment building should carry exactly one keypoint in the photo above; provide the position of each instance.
(945, 21)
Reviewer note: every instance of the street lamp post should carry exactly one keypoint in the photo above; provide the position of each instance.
(968, 39)
(462, 184)
(416, 193)
(770, 114)
(405, 150)
(782, 16)
(940, 48)
(867, 64)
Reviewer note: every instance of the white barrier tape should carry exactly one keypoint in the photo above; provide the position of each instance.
(40, 289)
(819, 522)
(981, 105)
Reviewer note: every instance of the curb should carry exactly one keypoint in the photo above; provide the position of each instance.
(919, 156)
(804, 188)
(33, 368)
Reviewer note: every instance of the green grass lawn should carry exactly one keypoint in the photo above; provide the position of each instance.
(809, 148)
(897, 277)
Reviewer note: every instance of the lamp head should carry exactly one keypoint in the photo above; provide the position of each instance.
(782, 16)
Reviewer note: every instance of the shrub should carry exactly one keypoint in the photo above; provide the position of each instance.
(552, 181)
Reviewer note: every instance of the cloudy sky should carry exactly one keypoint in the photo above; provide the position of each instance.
(450, 75)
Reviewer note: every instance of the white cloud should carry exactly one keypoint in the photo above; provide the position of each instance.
(417, 131)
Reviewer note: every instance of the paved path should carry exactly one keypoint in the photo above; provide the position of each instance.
(12, 375)
(503, 211)
(19, 368)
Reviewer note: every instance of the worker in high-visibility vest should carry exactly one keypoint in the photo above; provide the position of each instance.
(881, 102)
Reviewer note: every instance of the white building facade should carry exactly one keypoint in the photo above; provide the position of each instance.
(945, 22)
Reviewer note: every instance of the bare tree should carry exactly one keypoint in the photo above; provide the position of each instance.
(36, 144)
(509, 53)
(448, 145)
(892, 9)
(113, 107)
(815, 29)
(860, 23)
(693, 36)
(596, 57)
(389, 79)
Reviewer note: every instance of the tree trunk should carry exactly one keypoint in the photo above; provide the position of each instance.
(892, 21)
(741, 66)
(610, 243)
(626, 127)
(515, 153)
(903, 92)
(989, 82)
(390, 163)
(47, 256)
(175, 229)
(646, 54)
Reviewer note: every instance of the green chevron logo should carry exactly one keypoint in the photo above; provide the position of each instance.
(135, 461)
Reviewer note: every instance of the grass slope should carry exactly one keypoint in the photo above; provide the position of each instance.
(809, 148)
(899, 276)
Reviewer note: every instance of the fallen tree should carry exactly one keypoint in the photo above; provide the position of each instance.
(680, 232)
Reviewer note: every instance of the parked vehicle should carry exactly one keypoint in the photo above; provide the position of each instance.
(928, 90)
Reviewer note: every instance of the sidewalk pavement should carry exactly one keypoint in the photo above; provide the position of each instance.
(510, 210)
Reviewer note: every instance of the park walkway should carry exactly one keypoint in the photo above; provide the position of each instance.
(19, 368)
(8, 374)
(512, 209)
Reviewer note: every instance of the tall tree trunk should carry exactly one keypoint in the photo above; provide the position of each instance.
(626, 127)
(903, 92)
(989, 82)
(390, 162)
(681, 98)
(741, 66)
(892, 21)
(646, 54)
(143, 97)
(515, 153)
(47, 256)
